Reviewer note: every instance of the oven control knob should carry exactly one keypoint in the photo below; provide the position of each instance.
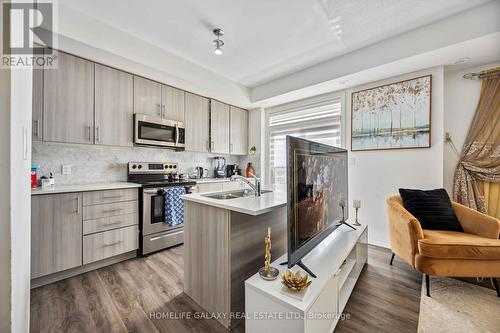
(134, 166)
(166, 166)
(174, 166)
(139, 166)
(161, 192)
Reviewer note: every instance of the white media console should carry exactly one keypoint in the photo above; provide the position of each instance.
(337, 261)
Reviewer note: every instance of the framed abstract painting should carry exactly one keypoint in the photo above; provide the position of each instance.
(392, 116)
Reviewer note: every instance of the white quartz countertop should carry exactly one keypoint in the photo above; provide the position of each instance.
(83, 188)
(250, 205)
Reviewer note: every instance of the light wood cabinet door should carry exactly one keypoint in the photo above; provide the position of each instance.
(56, 233)
(147, 97)
(37, 104)
(114, 106)
(219, 127)
(197, 123)
(238, 142)
(173, 103)
(68, 100)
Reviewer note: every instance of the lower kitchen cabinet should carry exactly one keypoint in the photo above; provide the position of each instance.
(56, 233)
(71, 230)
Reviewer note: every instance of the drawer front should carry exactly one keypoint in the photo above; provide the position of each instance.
(102, 197)
(107, 210)
(109, 243)
(108, 223)
(156, 242)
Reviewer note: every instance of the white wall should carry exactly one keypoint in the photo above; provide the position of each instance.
(20, 197)
(376, 175)
(460, 101)
(5, 200)
(15, 196)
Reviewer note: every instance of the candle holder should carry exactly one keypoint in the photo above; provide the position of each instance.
(356, 204)
(267, 272)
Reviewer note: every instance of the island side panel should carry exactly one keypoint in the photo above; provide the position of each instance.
(247, 248)
(206, 257)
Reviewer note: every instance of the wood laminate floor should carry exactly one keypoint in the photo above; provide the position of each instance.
(139, 294)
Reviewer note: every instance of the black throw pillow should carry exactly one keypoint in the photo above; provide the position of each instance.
(432, 209)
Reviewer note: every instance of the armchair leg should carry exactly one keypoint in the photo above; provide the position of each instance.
(495, 284)
(428, 285)
(392, 258)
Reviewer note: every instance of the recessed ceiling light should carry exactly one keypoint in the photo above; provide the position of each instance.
(462, 60)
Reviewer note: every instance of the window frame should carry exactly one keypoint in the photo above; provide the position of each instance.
(292, 106)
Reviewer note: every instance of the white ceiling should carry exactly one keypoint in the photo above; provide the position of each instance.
(266, 39)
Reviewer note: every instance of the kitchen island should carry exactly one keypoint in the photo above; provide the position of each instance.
(224, 245)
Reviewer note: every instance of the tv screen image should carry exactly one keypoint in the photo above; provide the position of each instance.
(317, 194)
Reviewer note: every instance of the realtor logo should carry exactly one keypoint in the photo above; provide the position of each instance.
(27, 34)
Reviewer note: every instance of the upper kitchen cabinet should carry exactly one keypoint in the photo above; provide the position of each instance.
(68, 100)
(219, 127)
(197, 123)
(114, 106)
(147, 97)
(173, 103)
(238, 137)
(37, 103)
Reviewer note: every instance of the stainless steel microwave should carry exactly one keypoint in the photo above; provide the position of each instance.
(155, 131)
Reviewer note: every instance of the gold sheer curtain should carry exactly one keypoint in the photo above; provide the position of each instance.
(477, 175)
(492, 198)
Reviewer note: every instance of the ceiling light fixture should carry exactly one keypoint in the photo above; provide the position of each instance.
(461, 60)
(218, 43)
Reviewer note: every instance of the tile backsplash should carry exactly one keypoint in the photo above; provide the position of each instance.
(98, 164)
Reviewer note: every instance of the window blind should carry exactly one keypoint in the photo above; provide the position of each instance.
(320, 122)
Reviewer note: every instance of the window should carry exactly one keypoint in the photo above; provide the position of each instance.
(313, 120)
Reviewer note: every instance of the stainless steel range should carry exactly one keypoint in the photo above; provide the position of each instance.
(161, 208)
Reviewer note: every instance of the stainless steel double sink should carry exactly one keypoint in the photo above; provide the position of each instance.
(233, 194)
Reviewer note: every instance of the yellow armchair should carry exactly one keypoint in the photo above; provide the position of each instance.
(472, 253)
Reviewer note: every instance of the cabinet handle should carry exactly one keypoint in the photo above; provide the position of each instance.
(112, 244)
(159, 109)
(208, 145)
(230, 147)
(88, 133)
(212, 145)
(25, 143)
(78, 205)
(163, 112)
(97, 135)
(112, 210)
(37, 128)
(112, 197)
(112, 223)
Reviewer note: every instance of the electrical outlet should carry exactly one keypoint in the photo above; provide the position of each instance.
(66, 169)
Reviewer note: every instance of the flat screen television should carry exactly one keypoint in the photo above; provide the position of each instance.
(317, 195)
